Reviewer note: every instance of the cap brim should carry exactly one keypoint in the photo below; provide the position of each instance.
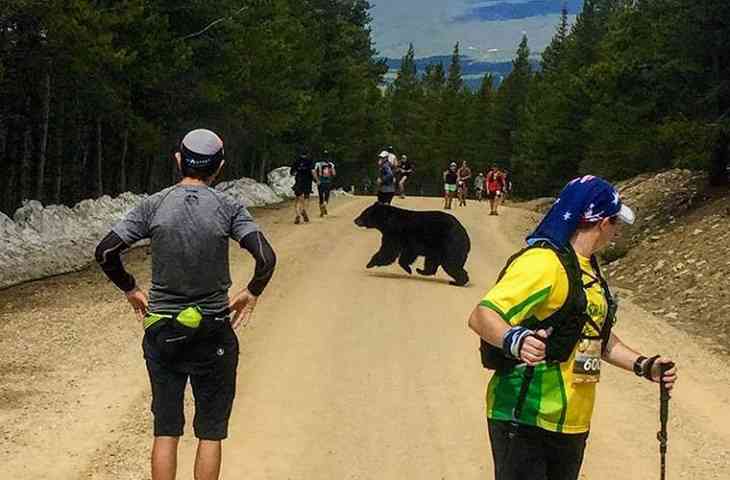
(626, 215)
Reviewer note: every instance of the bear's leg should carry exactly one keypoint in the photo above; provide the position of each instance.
(430, 266)
(388, 253)
(458, 273)
(407, 257)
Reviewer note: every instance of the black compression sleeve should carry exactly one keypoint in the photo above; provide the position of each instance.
(259, 247)
(108, 255)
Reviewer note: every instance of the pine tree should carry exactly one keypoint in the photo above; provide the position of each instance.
(510, 105)
(454, 80)
(553, 53)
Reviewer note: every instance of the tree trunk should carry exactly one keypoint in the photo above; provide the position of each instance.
(58, 170)
(4, 160)
(252, 166)
(150, 184)
(43, 141)
(123, 161)
(264, 164)
(13, 149)
(24, 183)
(83, 191)
(719, 161)
(99, 187)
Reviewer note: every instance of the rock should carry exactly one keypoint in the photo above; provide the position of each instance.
(672, 315)
(281, 182)
(660, 264)
(252, 193)
(697, 231)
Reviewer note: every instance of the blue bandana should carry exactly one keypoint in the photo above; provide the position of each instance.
(585, 199)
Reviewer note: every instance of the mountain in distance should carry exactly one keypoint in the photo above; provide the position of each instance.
(502, 11)
(486, 30)
(472, 70)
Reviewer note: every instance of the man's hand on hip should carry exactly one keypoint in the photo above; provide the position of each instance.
(138, 300)
(242, 307)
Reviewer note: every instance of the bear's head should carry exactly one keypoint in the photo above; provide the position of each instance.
(377, 216)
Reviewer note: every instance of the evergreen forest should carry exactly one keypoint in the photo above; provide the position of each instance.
(94, 95)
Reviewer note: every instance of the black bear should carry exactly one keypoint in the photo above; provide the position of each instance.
(408, 234)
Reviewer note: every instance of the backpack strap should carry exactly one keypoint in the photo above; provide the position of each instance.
(610, 320)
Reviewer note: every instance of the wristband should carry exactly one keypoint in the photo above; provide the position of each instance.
(648, 366)
(513, 340)
(638, 366)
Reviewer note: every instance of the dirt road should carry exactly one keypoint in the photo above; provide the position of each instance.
(345, 373)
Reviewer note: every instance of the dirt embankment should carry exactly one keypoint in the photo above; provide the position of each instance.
(676, 258)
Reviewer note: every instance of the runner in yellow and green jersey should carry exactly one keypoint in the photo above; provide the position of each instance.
(545, 328)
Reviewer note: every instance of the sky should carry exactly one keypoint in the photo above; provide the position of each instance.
(486, 30)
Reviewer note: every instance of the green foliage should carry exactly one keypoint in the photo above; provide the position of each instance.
(93, 95)
(633, 87)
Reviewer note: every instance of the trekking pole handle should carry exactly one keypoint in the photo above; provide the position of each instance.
(664, 368)
(663, 404)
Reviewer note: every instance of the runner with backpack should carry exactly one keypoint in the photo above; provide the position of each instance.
(386, 178)
(303, 172)
(546, 328)
(324, 172)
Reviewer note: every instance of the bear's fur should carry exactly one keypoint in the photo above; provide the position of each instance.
(408, 234)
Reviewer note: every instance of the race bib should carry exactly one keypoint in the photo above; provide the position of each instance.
(587, 364)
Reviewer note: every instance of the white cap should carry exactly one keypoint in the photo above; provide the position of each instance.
(626, 215)
(384, 154)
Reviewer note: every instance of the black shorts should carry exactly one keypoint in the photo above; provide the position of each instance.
(324, 192)
(210, 362)
(524, 452)
(492, 195)
(303, 188)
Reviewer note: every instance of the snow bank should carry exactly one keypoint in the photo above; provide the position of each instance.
(43, 241)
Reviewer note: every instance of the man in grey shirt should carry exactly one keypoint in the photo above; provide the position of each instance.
(189, 318)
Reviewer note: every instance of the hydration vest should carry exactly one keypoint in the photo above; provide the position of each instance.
(568, 322)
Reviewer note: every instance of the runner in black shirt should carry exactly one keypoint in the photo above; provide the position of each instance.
(189, 319)
(303, 172)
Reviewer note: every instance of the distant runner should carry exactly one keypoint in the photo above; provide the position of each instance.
(189, 320)
(450, 178)
(386, 179)
(303, 172)
(545, 330)
(464, 175)
(495, 186)
(325, 173)
(507, 182)
(479, 187)
(406, 170)
(392, 158)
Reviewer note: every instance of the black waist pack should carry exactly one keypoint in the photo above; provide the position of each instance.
(171, 333)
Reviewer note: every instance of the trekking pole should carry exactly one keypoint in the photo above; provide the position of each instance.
(663, 418)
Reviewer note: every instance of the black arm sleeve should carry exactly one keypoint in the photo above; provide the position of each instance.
(108, 256)
(261, 250)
